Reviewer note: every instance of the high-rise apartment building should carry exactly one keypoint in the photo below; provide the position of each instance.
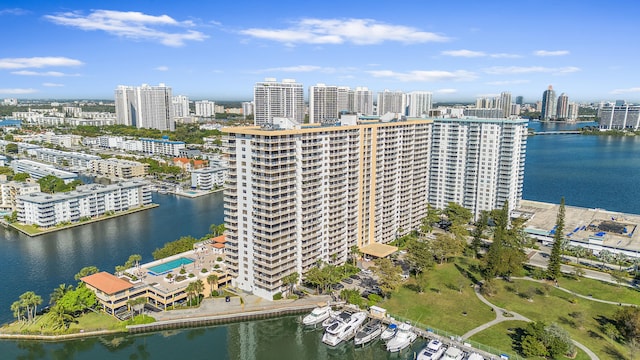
(419, 103)
(394, 102)
(299, 194)
(323, 103)
(278, 99)
(504, 103)
(549, 104)
(247, 108)
(205, 108)
(145, 107)
(621, 117)
(519, 100)
(180, 106)
(477, 163)
(362, 101)
(562, 107)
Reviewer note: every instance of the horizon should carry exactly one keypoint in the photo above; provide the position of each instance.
(219, 51)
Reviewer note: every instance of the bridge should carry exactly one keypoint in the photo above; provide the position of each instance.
(559, 132)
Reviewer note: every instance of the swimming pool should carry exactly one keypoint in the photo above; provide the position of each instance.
(168, 266)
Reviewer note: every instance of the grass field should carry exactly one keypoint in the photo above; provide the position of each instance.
(448, 304)
(87, 322)
(601, 290)
(580, 317)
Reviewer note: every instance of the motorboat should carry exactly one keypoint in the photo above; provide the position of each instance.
(433, 351)
(370, 331)
(333, 316)
(317, 315)
(403, 338)
(344, 329)
(453, 353)
(389, 332)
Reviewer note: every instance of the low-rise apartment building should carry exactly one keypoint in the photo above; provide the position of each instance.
(119, 168)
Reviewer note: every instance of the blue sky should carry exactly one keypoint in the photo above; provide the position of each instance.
(218, 50)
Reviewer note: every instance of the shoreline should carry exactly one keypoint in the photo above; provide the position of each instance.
(65, 227)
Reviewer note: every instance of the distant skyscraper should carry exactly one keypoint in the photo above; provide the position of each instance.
(573, 111)
(145, 107)
(562, 107)
(419, 103)
(362, 101)
(548, 111)
(504, 103)
(519, 100)
(247, 108)
(180, 106)
(323, 103)
(392, 102)
(278, 99)
(205, 108)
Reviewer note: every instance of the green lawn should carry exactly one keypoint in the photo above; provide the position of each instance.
(444, 304)
(87, 322)
(580, 317)
(502, 336)
(601, 290)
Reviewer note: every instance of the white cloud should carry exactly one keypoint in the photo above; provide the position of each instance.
(508, 82)
(162, 68)
(551, 53)
(487, 95)
(464, 53)
(17, 91)
(298, 68)
(48, 84)
(425, 75)
(132, 25)
(626, 91)
(14, 11)
(502, 70)
(42, 73)
(446, 91)
(339, 31)
(37, 62)
(474, 54)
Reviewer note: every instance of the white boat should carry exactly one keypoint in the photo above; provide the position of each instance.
(453, 353)
(370, 331)
(403, 338)
(344, 329)
(317, 315)
(333, 315)
(389, 332)
(433, 351)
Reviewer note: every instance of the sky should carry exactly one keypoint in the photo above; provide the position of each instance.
(218, 50)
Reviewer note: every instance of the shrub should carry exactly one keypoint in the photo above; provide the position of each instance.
(183, 271)
(277, 296)
(219, 259)
(169, 276)
(204, 270)
(180, 278)
(191, 275)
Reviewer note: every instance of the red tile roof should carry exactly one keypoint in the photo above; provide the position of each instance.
(107, 283)
(219, 239)
(218, 245)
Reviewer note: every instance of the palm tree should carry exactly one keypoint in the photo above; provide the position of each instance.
(579, 252)
(355, 254)
(59, 292)
(198, 288)
(212, 280)
(30, 301)
(190, 290)
(290, 280)
(59, 317)
(17, 310)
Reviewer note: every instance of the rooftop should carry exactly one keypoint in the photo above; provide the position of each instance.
(107, 283)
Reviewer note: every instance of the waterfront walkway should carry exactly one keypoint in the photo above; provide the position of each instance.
(241, 304)
(506, 315)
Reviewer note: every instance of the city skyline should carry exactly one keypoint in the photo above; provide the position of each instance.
(219, 51)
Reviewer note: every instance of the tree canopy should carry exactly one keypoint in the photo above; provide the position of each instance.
(555, 259)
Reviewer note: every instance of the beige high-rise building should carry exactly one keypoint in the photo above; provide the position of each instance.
(297, 194)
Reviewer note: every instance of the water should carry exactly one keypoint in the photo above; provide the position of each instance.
(589, 171)
(276, 339)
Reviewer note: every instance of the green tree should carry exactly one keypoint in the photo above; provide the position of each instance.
(355, 254)
(505, 256)
(133, 261)
(433, 216)
(59, 317)
(78, 300)
(86, 271)
(11, 148)
(21, 177)
(627, 320)
(389, 275)
(457, 214)
(59, 292)
(352, 297)
(555, 260)
(478, 231)
(217, 230)
(198, 288)
(446, 246)
(212, 280)
(137, 304)
(290, 280)
(419, 256)
(27, 306)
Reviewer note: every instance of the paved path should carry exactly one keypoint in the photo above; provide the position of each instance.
(239, 304)
(500, 317)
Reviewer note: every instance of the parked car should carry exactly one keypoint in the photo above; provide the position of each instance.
(347, 281)
(337, 286)
(355, 277)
